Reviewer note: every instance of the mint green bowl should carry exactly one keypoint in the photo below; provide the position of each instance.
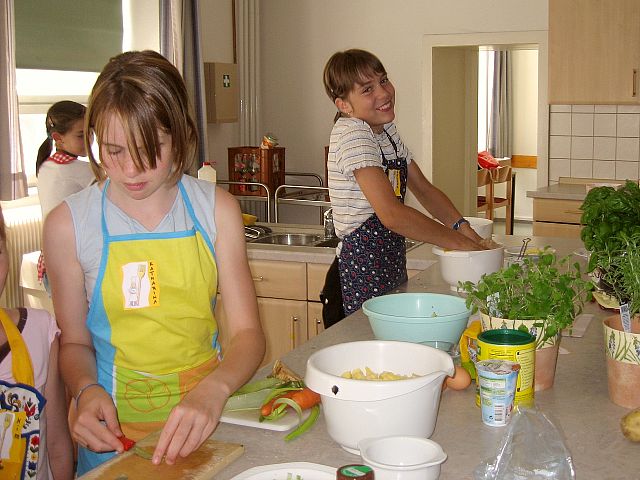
(417, 317)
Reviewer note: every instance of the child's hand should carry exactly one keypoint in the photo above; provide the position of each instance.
(189, 424)
(94, 424)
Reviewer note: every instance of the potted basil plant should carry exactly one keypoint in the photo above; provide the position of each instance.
(621, 272)
(541, 296)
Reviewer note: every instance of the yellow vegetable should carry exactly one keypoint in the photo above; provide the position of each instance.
(357, 374)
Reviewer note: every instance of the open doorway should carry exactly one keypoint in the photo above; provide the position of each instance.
(451, 110)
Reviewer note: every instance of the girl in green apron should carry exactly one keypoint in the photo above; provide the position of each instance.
(138, 260)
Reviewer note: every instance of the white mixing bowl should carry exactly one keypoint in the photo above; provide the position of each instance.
(461, 266)
(482, 226)
(357, 409)
(402, 457)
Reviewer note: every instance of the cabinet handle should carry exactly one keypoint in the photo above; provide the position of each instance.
(635, 82)
(318, 326)
(258, 279)
(294, 321)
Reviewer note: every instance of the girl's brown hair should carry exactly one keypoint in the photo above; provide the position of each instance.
(147, 93)
(60, 118)
(345, 69)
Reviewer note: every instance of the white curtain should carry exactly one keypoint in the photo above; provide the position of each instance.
(248, 41)
(180, 44)
(13, 181)
(500, 131)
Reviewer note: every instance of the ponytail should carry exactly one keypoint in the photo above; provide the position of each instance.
(44, 152)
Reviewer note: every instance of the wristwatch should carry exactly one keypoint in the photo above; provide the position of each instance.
(459, 223)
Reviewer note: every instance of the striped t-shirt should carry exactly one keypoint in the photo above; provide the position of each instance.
(353, 145)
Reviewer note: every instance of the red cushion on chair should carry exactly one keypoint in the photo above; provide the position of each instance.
(486, 160)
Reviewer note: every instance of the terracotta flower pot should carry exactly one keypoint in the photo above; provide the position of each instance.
(623, 361)
(546, 351)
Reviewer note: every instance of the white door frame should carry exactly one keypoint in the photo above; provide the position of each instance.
(534, 37)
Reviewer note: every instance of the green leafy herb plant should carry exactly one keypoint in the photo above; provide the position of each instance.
(548, 290)
(621, 271)
(609, 215)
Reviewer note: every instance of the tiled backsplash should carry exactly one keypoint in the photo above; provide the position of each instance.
(594, 141)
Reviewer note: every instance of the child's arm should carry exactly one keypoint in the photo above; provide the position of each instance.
(436, 202)
(406, 220)
(59, 447)
(196, 417)
(77, 357)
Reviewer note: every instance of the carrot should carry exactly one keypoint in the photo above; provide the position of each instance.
(267, 408)
(306, 398)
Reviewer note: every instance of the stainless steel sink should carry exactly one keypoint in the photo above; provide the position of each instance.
(309, 240)
(297, 239)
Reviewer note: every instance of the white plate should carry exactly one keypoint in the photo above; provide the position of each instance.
(279, 471)
(250, 418)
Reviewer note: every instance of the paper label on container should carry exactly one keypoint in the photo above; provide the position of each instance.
(625, 317)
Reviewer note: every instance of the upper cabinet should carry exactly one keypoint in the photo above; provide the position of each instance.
(594, 51)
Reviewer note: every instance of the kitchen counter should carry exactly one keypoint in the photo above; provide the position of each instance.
(418, 257)
(560, 191)
(578, 403)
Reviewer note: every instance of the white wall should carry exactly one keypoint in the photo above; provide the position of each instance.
(299, 36)
(525, 135)
(216, 38)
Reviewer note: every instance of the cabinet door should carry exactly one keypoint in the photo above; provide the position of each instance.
(285, 325)
(279, 279)
(594, 51)
(314, 319)
(316, 273)
(564, 230)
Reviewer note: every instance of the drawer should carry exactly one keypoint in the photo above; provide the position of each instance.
(564, 230)
(279, 279)
(316, 272)
(561, 211)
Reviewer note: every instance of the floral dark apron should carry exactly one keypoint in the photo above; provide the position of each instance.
(373, 259)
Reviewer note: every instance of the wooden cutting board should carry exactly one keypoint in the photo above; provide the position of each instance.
(209, 459)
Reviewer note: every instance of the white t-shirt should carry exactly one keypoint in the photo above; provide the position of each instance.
(354, 145)
(56, 181)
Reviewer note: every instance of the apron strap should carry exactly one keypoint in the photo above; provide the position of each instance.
(21, 366)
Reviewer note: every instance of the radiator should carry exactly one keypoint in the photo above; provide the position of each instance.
(24, 235)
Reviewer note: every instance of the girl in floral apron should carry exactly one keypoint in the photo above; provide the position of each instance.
(135, 264)
(369, 170)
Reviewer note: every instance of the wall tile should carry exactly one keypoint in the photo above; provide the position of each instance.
(604, 125)
(559, 146)
(560, 124)
(628, 149)
(559, 167)
(582, 108)
(606, 108)
(628, 125)
(626, 170)
(604, 148)
(560, 108)
(582, 168)
(604, 169)
(581, 148)
(628, 108)
(582, 124)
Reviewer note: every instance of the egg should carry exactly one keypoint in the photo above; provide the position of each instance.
(460, 379)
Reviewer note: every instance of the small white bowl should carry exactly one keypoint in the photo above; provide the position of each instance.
(482, 226)
(402, 457)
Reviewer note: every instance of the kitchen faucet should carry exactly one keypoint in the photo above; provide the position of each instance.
(329, 230)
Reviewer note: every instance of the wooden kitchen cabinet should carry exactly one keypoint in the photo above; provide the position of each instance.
(594, 51)
(556, 217)
(315, 325)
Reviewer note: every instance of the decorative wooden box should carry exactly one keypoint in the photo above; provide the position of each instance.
(255, 165)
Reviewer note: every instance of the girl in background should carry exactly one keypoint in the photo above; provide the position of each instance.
(34, 440)
(135, 263)
(369, 171)
(61, 173)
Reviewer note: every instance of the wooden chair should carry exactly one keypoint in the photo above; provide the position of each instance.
(489, 202)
